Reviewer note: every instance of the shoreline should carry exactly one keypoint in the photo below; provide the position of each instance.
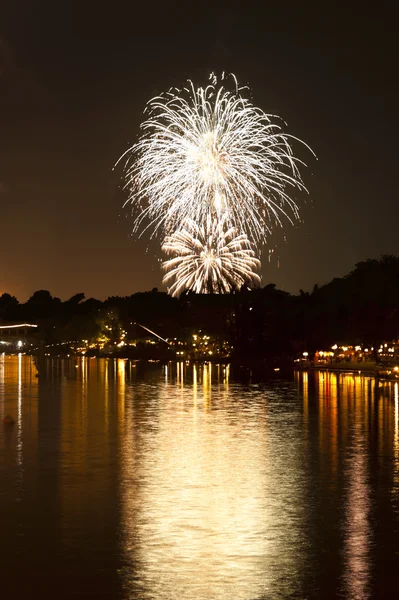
(259, 366)
(368, 369)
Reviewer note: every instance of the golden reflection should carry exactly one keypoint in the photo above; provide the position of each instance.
(345, 404)
(204, 496)
(320, 386)
(302, 381)
(195, 399)
(305, 384)
(121, 389)
(104, 368)
(19, 421)
(396, 444)
(181, 374)
(2, 399)
(19, 399)
(333, 423)
(209, 485)
(381, 428)
(207, 384)
(226, 375)
(84, 373)
(121, 376)
(177, 372)
(328, 390)
(87, 450)
(343, 410)
(365, 407)
(396, 396)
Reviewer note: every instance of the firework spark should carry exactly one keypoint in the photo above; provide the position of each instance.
(209, 258)
(211, 150)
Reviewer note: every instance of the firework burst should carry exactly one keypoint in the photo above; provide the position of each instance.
(210, 150)
(209, 258)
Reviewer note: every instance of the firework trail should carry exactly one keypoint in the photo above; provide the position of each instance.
(209, 258)
(211, 150)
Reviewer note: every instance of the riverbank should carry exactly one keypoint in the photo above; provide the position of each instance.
(365, 368)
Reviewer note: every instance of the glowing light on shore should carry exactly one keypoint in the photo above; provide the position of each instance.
(17, 326)
(209, 258)
(210, 150)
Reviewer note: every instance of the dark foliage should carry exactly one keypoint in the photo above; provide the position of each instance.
(361, 307)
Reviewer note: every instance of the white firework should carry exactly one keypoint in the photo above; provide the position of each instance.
(209, 258)
(211, 150)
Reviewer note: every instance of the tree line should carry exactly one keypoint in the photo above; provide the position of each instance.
(362, 307)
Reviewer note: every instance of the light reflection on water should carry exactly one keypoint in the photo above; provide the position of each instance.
(215, 510)
(357, 536)
(147, 481)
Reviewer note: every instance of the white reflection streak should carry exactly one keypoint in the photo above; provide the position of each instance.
(195, 391)
(121, 376)
(357, 530)
(84, 374)
(19, 435)
(305, 396)
(19, 430)
(206, 382)
(121, 396)
(201, 517)
(198, 534)
(226, 377)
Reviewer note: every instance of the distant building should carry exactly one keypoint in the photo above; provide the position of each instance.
(17, 336)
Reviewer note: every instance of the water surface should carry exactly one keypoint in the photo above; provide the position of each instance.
(149, 481)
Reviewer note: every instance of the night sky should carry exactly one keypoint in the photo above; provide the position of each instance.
(75, 77)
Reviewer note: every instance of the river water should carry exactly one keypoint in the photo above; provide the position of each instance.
(146, 481)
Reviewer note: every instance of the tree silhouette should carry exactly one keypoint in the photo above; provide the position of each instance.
(8, 307)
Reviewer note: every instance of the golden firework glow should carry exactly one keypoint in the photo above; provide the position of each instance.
(209, 259)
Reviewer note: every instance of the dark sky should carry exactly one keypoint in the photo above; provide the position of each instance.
(74, 79)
